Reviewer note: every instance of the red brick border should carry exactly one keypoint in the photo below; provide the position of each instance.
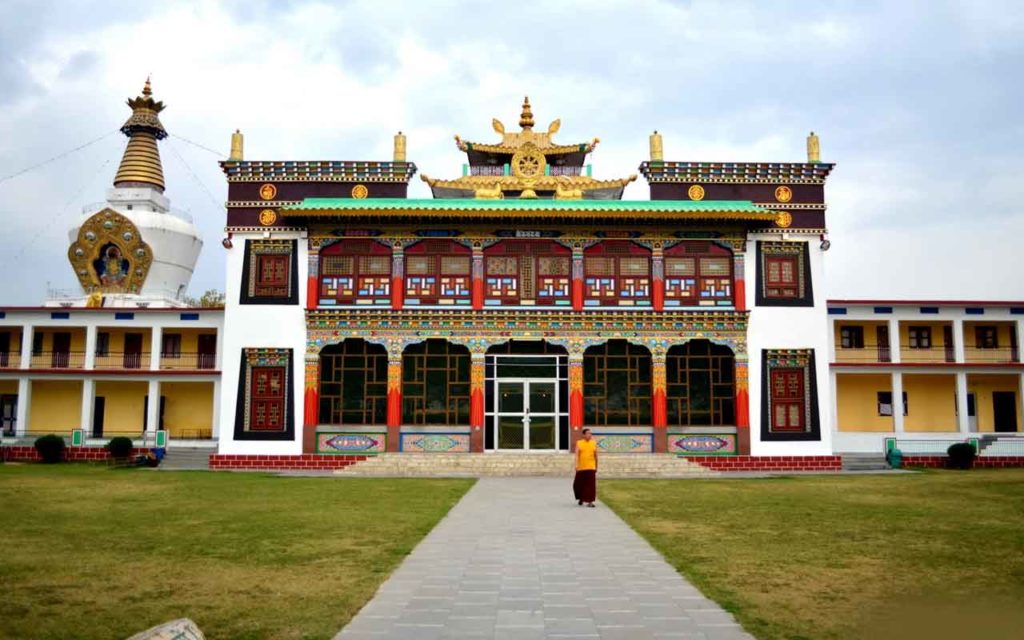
(769, 463)
(983, 462)
(306, 461)
(27, 453)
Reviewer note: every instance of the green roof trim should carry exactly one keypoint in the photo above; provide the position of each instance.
(313, 205)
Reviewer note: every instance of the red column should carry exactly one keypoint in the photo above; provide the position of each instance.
(397, 278)
(740, 290)
(477, 279)
(311, 404)
(658, 280)
(575, 399)
(394, 403)
(742, 409)
(659, 403)
(476, 403)
(313, 281)
(577, 281)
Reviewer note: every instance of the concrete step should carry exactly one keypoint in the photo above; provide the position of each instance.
(539, 464)
(864, 462)
(186, 458)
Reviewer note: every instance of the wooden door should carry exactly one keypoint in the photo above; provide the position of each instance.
(132, 358)
(207, 348)
(61, 355)
(1004, 411)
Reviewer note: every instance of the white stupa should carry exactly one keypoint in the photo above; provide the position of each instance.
(134, 252)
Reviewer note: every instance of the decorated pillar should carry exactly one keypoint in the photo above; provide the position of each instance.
(394, 396)
(313, 279)
(742, 406)
(575, 395)
(477, 279)
(311, 400)
(397, 278)
(659, 401)
(658, 279)
(740, 289)
(476, 401)
(577, 280)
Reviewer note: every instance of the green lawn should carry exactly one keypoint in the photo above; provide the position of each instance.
(90, 552)
(845, 556)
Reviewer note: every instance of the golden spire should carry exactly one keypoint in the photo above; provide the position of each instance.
(657, 153)
(813, 148)
(526, 117)
(140, 165)
(399, 149)
(237, 146)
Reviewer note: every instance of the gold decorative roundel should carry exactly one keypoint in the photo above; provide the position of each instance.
(268, 191)
(696, 192)
(783, 194)
(360, 191)
(783, 219)
(528, 162)
(268, 217)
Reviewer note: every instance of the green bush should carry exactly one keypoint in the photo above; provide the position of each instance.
(961, 455)
(50, 448)
(119, 447)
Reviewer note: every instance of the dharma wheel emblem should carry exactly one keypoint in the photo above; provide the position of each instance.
(528, 162)
(783, 194)
(783, 219)
(268, 217)
(696, 192)
(360, 191)
(268, 191)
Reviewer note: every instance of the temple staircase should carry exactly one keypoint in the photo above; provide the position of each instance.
(423, 465)
(187, 459)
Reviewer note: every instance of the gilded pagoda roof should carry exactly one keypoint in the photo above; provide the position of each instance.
(512, 141)
(629, 210)
(140, 164)
(564, 187)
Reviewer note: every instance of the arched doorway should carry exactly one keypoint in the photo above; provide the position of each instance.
(435, 384)
(526, 397)
(353, 383)
(700, 385)
(617, 385)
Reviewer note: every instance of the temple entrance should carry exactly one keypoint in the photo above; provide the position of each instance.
(527, 399)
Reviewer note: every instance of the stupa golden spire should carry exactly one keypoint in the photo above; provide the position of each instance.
(140, 165)
(526, 117)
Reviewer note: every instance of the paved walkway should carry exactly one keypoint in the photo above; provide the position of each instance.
(517, 559)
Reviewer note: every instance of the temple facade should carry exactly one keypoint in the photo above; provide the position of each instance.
(525, 301)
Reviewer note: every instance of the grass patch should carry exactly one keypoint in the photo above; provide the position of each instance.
(90, 552)
(843, 556)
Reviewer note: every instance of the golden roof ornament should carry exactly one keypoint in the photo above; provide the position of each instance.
(657, 150)
(398, 154)
(813, 148)
(237, 146)
(140, 165)
(526, 117)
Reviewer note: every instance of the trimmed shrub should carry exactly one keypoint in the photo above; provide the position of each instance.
(50, 448)
(961, 455)
(119, 447)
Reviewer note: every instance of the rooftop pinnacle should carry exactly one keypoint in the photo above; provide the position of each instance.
(526, 117)
(140, 165)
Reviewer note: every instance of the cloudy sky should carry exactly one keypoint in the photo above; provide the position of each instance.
(918, 103)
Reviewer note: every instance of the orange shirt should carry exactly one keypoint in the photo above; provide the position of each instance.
(586, 455)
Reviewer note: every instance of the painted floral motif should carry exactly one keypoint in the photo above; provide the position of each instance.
(624, 443)
(435, 443)
(350, 443)
(702, 444)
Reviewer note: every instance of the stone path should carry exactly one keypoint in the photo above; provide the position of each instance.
(517, 559)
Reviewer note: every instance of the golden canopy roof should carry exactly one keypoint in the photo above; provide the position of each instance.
(512, 141)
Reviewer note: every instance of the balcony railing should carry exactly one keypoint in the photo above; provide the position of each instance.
(10, 359)
(188, 361)
(927, 355)
(872, 353)
(58, 360)
(994, 355)
(867, 353)
(122, 360)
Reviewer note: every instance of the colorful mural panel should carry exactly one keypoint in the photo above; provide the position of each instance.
(435, 443)
(702, 444)
(351, 443)
(624, 442)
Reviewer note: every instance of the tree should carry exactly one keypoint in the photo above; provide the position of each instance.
(212, 299)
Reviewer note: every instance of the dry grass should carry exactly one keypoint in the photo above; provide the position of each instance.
(95, 553)
(844, 556)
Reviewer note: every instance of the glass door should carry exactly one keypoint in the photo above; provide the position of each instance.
(527, 415)
(541, 414)
(511, 418)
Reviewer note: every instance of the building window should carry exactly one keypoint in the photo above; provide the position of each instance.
(355, 272)
(701, 387)
(435, 384)
(851, 337)
(527, 272)
(269, 272)
(437, 272)
(784, 275)
(170, 345)
(265, 398)
(353, 383)
(789, 403)
(986, 337)
(919, 337)
(698, 273)
(102, 344)
(617, 273)
(37, 343)
(885, 403)
(616, 385)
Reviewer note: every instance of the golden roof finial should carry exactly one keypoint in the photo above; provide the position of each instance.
(813, 148)
(237, 146)
(526, 117)
(140, 165)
